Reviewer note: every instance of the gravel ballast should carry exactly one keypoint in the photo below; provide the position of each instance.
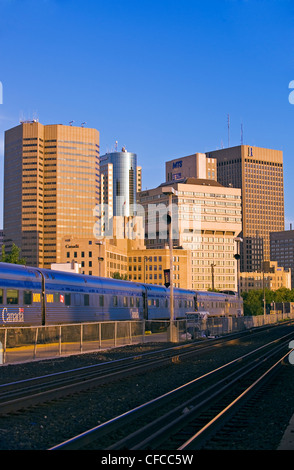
(44, 426)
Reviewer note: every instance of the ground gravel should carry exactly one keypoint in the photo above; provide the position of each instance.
(42, 427)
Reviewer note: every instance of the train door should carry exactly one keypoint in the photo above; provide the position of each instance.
(195, 303)
(145, 305)
(43, 301)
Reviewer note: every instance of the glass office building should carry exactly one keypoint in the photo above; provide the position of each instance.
(119, 182)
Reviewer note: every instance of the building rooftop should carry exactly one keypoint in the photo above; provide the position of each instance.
(195, 181)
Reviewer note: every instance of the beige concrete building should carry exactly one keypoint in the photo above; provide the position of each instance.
(96, 257)
(259, 174)
(197, 165)
(124, 256)
(149, 266)
(104, 256)
(51, 185)
(273, 278)
(206, 219)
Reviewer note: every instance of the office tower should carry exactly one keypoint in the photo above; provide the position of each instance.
(193, 166)
(253, 248)
(51, 185)
(206, 220)
(119, 182)
(282, 249)
(259, 174)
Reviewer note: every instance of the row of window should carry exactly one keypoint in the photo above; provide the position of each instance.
(12, 298)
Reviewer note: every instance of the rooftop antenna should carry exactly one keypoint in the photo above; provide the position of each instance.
(228, 130)
(116, 142)
(241, 133)
(71, 123)
(83, 123)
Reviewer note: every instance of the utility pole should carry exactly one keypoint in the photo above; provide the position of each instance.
(170, 191)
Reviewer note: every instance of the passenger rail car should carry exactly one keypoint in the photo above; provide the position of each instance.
(34, 296)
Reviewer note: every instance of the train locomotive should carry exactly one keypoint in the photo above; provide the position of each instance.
(32, 296)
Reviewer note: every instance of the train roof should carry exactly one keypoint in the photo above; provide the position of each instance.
(76, 279)
(10, 270)
(214, 294)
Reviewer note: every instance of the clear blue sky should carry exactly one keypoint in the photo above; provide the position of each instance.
(159, 76)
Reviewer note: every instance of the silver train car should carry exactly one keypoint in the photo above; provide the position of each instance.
(35, 296)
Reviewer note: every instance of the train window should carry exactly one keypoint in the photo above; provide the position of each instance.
(86, 300)
(101, 300)
(12, 297)
(180, 303)
(67, 299)
(149, 302)
(114, 298)
(1, 296)
(157, 302)
(27, 297)
(125, 301)
(137, 301)
(131, 301)
(166, 303)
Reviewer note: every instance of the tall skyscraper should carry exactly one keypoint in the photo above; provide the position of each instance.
(259, 174)
(119, 175)
(51, 185)
(206, 220)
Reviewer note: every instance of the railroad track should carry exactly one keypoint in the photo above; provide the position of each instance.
(187, 417)
(30, 392)
(34, 391)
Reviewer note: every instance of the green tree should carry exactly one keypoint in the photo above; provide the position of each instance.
(12, 257)
(116, 275)
(253, 300)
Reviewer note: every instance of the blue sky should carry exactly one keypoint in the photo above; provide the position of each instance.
(160, 77)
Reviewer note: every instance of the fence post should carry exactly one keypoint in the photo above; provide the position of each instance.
(36, 340)
(115, 332)
(130, 323)
(99, 327)
(5, 346)
(81, 338)
(59, 341)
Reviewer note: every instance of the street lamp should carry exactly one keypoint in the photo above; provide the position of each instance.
(145, 259)
(99, 258)
(170, 192)
(237, 256)
(212, 275)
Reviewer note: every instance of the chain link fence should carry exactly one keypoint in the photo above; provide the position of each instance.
(21, 344)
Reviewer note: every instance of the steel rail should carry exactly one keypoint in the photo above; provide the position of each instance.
(202, 435)
(28, 392)
(110, 426)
